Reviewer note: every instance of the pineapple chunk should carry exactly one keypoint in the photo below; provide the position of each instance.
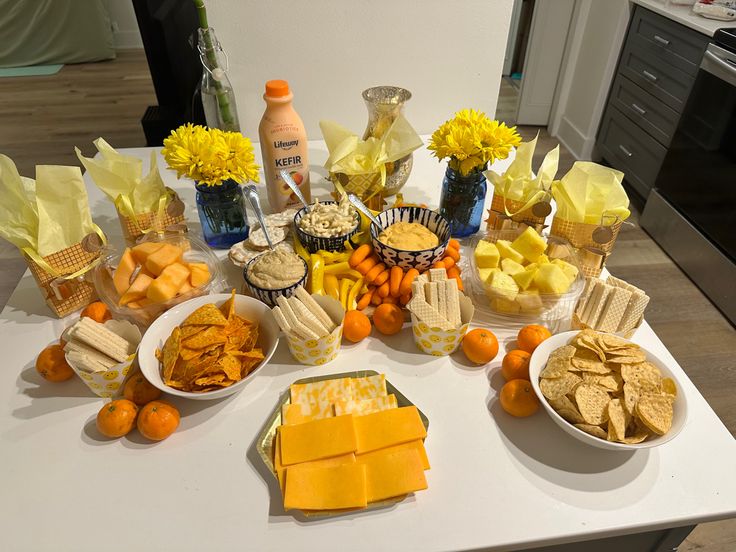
(531, 267)
(485, 273)
(501, 284)
(508, 252)
(570, 271)
(551, 279)
(511, 267)
(524, 279)
(529, 301)
(499, 304)
(530, 244)
(543, 259)
(486, 254)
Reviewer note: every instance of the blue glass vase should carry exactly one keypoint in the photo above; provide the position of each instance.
(462, 199)
(222, 214)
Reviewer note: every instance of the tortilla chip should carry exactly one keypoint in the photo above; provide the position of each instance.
(211, 336)
(208, 315)
(170, 353)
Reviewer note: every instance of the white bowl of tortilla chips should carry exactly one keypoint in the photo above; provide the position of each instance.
(208, 347)
(607, 391)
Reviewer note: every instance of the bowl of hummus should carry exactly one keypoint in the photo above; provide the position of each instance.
(411, 237)
(327, 225)
(274, 274)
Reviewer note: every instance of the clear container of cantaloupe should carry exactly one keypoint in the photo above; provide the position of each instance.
(145, 280)
(524, 277)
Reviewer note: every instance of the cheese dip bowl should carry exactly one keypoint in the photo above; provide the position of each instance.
(326, 226)
(266, 282)
(420, 259)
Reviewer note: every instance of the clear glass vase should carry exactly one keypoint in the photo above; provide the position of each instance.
(462, 200)
(385, 104)
(218, 98)
(222, 214)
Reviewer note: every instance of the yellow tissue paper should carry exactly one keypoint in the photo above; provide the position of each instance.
(592, 194)
(518, 183)
(351, 155)
(46, 215)
(121, 178)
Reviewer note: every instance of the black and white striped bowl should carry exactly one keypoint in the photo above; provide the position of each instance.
(315, 243)
(423, 259)
(269, 296)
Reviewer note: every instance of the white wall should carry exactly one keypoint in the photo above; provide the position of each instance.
(448, 54)
(594, 44)
(125, 27)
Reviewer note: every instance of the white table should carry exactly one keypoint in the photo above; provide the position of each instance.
(496, 482)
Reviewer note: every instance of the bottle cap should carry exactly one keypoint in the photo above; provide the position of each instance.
(277, 88)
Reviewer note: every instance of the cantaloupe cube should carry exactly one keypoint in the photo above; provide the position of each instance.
(485, 273)
(570, 271)
(163, 257)
(530, 301)
(486, 254)
(122, 274)
(143, 250)
(200, 274)
(511, 267)
(550, 279)
(502, 285)
(524, 278)
(140, 303)
(185, 287)
(168, 283)
(530, 244)
(137, 289)
(500, 304)
(508, 252)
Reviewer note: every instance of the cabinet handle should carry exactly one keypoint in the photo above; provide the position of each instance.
(639, 110)
(649, 75)
(626, 152)
(662, 41)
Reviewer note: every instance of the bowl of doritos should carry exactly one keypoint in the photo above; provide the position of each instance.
(607, 391)
(208, 347)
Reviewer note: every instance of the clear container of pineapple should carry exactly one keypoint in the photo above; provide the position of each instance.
(524, 277)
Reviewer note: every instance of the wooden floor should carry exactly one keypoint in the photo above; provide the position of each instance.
(43, 118)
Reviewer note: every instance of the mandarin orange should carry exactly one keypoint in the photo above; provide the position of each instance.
(515, 365)
(388, 319)
(356, 326)
(517, 397)
(117, 418)
(480, 346)
(529, 337)
(139, 390)
(157, 420)
(52, 365)
(97, 311)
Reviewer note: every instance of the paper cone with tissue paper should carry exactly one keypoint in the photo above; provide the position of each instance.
(362, 166)
(143, 203)
(591, 207)
(517, 191)
(48, 220)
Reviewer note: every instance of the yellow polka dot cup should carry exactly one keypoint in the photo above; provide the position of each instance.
(316, 352)
(109, 383)
(439, 342)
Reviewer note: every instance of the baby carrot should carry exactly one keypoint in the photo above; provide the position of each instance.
(459, 283)
(397, 274)
(453, 254)
(448, 261)
(453, 272)
(382, 277)
(389, 300)
(376, 299)
(454, 244)
(439, 264)
(383, 290)
(360, 254)
(367, 264)
(373, 272)
(404, 299)
(365, 300)
(406, 283)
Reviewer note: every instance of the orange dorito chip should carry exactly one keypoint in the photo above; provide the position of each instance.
(190, 354)
(228, 307)
(170, 353)
(189, 331)
(231, 366)
(250, 342)
(208, 315)
(211, 336)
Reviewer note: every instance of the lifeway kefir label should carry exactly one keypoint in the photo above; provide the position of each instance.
(289, 153)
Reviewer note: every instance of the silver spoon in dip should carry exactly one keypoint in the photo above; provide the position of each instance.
(251, 194)
(360, 206)
(294, 188)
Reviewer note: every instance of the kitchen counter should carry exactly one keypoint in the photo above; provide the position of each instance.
(685, 16)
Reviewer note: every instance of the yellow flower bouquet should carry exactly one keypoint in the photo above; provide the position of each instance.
(469, 141)
(217, 161)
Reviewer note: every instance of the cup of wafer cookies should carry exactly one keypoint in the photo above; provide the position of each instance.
(312, 324)
(440, 313)
(102, 355)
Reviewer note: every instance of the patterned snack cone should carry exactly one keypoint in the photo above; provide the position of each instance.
(439, 342)
(316, 352)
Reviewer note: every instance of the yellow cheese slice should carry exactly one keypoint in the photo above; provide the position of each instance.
(390, 474)
(369, 387)
(417, 445)
(298, 413)
(318, 392)
(324, 463)
(326, 488)
(365, 406)
(386, 428)
(317, 439)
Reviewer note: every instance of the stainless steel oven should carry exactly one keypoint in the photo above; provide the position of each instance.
(691, 212)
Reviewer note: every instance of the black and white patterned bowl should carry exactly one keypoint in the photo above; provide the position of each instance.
(315, 243)
(423, 259)
(269, 296)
